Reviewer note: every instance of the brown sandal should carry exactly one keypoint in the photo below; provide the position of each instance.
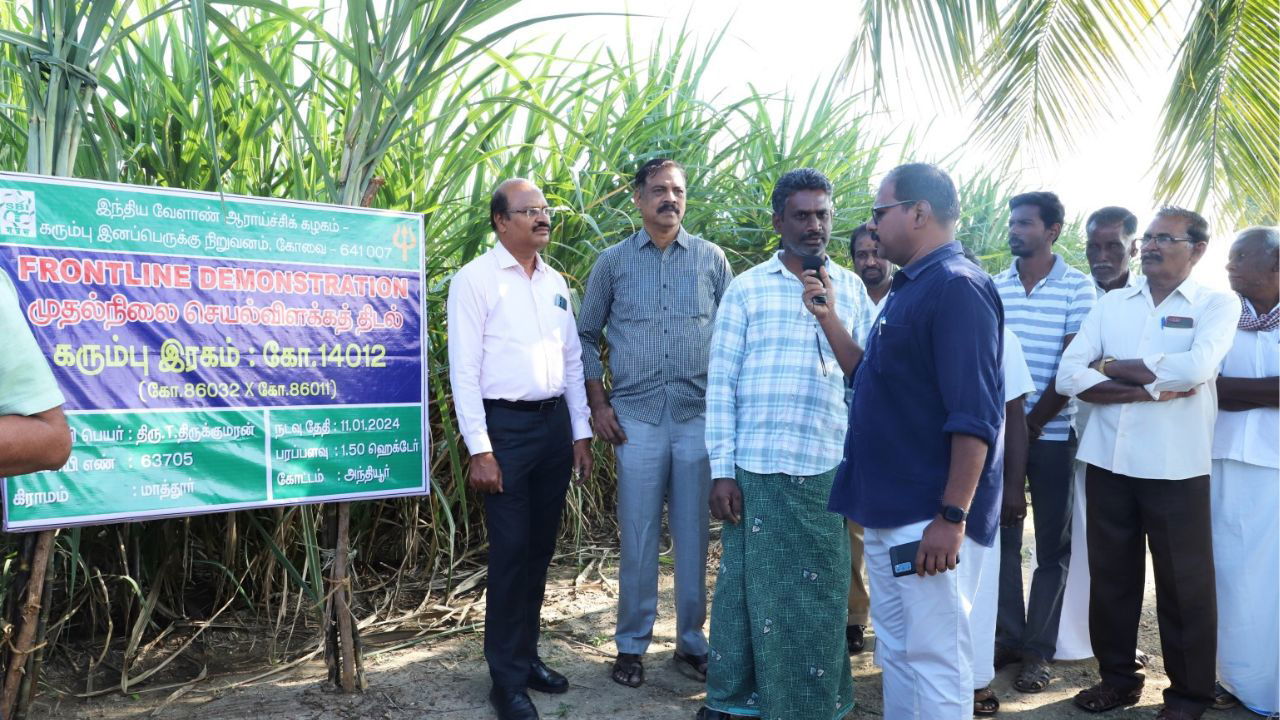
(1034, 677)
(628, 670)
(1103, 697)
(985, 702)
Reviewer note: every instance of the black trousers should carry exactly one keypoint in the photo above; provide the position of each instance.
(534, 450)
(1174, 517)
(1032, 628)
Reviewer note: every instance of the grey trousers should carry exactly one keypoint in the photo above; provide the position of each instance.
(663, 462)
(1034, 630)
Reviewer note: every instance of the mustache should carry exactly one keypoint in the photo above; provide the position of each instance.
(669, 206)
(542, 225)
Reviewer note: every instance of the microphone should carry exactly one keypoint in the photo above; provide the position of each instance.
(813, 262)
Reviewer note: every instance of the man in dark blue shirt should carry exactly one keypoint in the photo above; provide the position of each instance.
(923, 452)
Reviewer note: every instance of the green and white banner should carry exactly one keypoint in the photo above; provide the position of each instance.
(217, 352)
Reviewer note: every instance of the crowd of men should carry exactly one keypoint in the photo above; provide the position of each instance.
(887, 420)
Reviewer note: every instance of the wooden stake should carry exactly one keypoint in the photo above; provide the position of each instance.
(341, 603)
(29, 616)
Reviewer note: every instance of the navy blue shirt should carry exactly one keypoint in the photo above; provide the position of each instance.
(931, 368)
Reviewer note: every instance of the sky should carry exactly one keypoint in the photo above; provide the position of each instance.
(777, 49)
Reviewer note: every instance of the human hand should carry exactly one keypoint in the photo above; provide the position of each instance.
(582, 461)
(484, 475)
(726, 500)
(939, 547)
(605, 423)
(1013, 509)
(1167, 395)
(818, 283)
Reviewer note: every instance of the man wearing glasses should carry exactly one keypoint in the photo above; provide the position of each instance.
(776, 416)
(515, 367)
(654, 296)
(922, 460)
(1146, 357)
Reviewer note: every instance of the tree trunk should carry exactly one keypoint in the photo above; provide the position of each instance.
(29, 617)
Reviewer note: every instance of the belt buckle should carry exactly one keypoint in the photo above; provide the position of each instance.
(545, 405)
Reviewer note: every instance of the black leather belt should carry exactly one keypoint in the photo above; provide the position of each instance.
(526, 405)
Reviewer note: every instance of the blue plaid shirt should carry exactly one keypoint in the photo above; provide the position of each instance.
(775, 392)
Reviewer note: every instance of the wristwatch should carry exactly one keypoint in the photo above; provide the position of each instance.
(953, 514)
(1102, 366)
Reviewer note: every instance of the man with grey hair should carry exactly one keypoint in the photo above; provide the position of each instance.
(1147, 356)
(1244, 491)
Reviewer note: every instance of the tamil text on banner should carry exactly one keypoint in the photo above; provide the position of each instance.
(217, 352)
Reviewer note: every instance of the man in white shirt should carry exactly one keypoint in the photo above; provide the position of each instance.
(1147, 357)
(1110, 245)
(515, 366)
(1245, 483)
(877, 274)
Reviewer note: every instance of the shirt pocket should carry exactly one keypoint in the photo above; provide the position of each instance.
(1176, 340)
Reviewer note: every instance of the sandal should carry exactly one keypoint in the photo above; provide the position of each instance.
(1223, 699)
(1033, 678)
(1142, 659)
(985, 702)
(1103, 697)
(628, 670)
(691, 666)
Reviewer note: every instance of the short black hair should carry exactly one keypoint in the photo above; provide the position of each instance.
(858, 232)
(1051, 210)
(652, 166)
(1197, 226)
(1112, 214)
(924, 181)
(497, 206)
(795, 181)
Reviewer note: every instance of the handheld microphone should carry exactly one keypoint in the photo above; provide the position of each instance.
(813, 262)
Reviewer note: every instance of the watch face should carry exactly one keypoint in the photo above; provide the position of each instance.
(951, 513)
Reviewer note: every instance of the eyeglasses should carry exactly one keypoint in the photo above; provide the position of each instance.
(878, 212)
(1165, 240)
(534, 212)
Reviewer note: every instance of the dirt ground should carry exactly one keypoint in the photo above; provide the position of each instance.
(446, 678)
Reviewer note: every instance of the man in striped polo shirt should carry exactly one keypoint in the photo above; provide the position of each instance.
(1045, 301)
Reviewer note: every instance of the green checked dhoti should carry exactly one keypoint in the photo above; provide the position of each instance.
(777, 619)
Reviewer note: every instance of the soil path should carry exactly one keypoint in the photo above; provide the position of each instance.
(446, 679)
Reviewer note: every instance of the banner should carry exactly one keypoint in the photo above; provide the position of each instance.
(217, 352)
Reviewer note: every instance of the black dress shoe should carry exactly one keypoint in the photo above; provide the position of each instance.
(544, 679)
(512, 704)
(853, 637)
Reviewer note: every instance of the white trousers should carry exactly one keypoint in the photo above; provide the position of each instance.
(924, 642)
(1245, 505)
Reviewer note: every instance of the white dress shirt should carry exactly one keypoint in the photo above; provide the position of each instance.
(1250, 436)
(512, 337)
(1159, 440)
(1017, 376)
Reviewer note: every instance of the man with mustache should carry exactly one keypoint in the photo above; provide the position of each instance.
(875, 271)
(1045, 301)
(1245, 488)
(515, 367)
(922, 460)
(653, 296)
(1110, 246)
(776, 415)
(1146, 357)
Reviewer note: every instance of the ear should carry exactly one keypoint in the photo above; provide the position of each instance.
(500, 221)
(920, 214)
(777, 224)
(1197, 251)
(1054, 231)
(635, 197)
(1133, 248)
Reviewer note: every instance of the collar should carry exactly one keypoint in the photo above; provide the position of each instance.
(775, 265)
(643, 238)
(506, 260)
(1055, 273)
(1189, 289)
(913, 270)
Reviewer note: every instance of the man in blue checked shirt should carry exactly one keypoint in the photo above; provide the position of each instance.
(776, 416)
(653, 297)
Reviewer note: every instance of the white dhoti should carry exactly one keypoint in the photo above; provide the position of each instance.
(982, 619)
(1073, 624)
(1245, 502)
